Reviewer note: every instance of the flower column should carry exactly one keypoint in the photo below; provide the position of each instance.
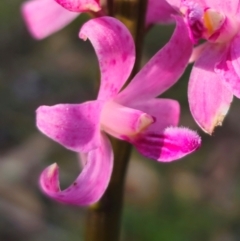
(104, 217)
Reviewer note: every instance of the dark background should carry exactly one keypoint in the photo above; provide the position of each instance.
(194, 199)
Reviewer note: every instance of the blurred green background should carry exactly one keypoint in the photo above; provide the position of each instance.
(196, 198)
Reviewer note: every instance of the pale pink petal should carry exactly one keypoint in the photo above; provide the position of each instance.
(75, 126)
(209, 98)
(226, 6)
(90, 185)
(166, 112)
(163, 70)
(115, 49)
(169, 145)
(45, 17)
(80, 5)
(118, 120)
(228, 74)
(238, 10)
(235, 53)
(234, 64)
(159, 11)
(175, 3)
(197, 51)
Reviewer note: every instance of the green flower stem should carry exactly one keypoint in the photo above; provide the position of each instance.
(104, 217)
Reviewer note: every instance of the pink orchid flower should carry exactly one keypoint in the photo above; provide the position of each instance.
(133, 114)
(215, 76)
(45, 17)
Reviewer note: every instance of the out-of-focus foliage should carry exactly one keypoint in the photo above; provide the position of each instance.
(196, 198)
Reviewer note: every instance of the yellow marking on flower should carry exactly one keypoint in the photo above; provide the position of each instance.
(212, 20)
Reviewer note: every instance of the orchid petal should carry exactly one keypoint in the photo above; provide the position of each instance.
(175, 3)
(80, 5)
(197, 52)
(226, 6)
(75, 126)
(235, 53)
(159, 11)
(234, 65)
(209, 98)
(169, 145)
(90, 185)
(163, 70)
(121, 121)
(45, 17)
(115, 49)
(229, 6)
(178, 3)
(166, 112)
(228, 74)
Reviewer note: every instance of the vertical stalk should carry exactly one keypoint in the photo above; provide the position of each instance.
(132, 14)
(104, 218)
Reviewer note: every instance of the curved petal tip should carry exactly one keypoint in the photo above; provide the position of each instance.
(49, 179)
(90, 184)
(115, 51)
